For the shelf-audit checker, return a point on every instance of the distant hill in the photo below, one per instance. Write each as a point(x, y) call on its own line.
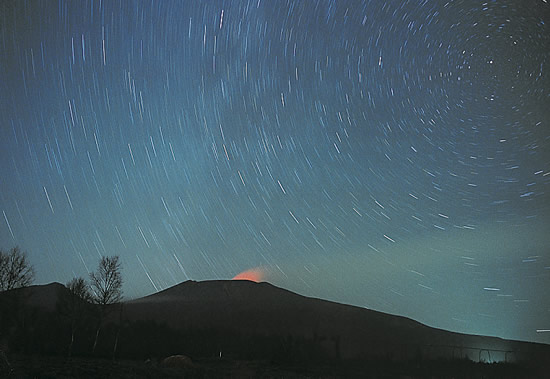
point(40, 296)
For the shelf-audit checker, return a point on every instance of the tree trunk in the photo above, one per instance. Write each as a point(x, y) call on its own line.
point(4, 361)
point(116, 343)
point(96, 338)
point(71, 344)
point(121, 307)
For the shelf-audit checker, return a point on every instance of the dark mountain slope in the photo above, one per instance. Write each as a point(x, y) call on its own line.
point(341, 330)
point(247, 319)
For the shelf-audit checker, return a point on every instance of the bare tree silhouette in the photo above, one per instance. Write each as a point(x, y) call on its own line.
point(106, 285)
point(15, 270)
point(74, 306)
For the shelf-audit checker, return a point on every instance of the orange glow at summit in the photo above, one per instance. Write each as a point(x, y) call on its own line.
point(254, 275)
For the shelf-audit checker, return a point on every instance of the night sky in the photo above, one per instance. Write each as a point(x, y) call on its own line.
point(393, 155)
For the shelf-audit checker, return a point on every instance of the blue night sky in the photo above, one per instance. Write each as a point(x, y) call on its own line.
point(393, 155)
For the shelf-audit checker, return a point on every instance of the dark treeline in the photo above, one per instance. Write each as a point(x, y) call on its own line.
point(49, 334)
point(53, 332)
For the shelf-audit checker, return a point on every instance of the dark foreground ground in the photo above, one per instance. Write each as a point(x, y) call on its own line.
point(56, 367)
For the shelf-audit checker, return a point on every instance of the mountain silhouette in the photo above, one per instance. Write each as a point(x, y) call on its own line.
point(248, 320)
point(340, 331)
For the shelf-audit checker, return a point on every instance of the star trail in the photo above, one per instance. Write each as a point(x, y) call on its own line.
point(393, 155)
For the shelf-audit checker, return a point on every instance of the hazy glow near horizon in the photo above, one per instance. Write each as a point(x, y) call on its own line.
point(393, 155)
